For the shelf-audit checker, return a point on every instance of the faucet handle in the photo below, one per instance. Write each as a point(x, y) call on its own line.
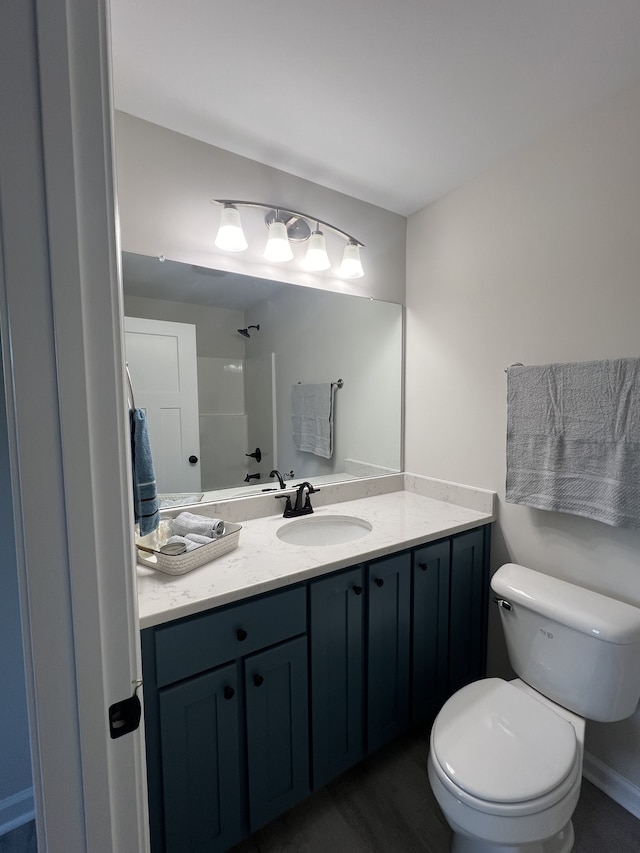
point(311, 489)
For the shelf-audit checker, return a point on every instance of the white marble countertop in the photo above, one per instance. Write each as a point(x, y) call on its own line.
point(262, 562)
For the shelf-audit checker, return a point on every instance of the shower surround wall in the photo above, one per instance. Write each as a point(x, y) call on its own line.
point(223, 421)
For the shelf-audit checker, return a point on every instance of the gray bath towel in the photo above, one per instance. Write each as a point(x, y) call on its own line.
point(573, 439)
point(312, 418)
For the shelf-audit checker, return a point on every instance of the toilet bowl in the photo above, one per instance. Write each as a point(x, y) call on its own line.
point(505, 766)
point(505, 758)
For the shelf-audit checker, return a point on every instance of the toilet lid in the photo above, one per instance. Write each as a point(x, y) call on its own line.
point(500, 744)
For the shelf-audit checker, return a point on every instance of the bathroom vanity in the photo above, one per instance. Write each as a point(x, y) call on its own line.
point(265, 682)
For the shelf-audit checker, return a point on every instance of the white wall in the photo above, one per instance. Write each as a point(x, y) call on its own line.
point(536, 261)
point(165, 185)
point(216, 328)
point(320, 337)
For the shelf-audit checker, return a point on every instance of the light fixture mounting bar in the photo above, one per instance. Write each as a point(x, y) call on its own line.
point(286, 211)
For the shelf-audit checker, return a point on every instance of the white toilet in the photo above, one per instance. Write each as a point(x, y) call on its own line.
point(505, 762)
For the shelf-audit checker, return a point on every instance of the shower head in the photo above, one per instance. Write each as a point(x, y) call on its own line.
point(245, 332)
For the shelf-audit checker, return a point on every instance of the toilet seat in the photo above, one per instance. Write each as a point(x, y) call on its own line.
point(511, 732)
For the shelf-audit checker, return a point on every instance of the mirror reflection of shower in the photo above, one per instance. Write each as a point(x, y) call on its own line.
point(245, 332)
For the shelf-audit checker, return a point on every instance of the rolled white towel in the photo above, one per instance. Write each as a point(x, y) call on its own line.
point(187, 522)
point(182, 540)
point(196, 537)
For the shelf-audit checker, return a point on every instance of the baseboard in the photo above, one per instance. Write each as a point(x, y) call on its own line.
point(623, 792)
point(15, 810)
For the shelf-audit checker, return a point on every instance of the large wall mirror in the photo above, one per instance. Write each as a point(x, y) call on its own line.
point(213, 357)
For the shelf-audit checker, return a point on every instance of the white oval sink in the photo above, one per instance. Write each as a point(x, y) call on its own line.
point(323, 530)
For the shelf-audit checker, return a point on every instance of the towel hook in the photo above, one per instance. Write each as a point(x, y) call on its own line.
point(130, 384)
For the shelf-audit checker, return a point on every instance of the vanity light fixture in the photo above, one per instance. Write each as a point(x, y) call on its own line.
point(351, 266)
point(284, 228)
point(317, 257)
point(278, 247)
point(230, 236)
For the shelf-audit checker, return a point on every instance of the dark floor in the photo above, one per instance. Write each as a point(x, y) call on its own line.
point(385, 805)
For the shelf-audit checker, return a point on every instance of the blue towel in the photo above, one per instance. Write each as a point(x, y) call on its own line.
point(145, 495)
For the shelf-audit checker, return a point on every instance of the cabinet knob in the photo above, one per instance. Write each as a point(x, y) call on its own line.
point(378, 581)
point(258, 680)
point(423, 566)
point(241, 634)
point(228, 692)
point(357, 589)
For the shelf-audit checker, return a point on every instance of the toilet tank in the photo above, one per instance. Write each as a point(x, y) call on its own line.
point(579, 648)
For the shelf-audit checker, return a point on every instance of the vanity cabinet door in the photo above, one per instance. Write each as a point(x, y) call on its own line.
point(277, 718)
point(337, 673)
point(468, 607)
point(388, 648)
point(430, 616)
point(201, 782)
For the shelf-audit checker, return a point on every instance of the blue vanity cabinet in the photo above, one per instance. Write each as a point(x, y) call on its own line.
point(388, 633)
point(430, 636)
point(277, 719)
point(250, 705)
point(360, 651)
point(468, 607)
point(226, 718)
point(336, 624)
point(200, 771)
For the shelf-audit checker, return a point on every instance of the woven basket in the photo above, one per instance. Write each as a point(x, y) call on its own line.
point(182, 563)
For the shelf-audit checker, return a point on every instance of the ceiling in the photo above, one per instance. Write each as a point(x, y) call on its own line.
point(394, 102)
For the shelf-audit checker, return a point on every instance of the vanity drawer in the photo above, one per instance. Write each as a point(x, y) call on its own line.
point(201, 642)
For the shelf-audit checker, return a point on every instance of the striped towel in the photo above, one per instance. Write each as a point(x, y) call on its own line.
point(573, 439)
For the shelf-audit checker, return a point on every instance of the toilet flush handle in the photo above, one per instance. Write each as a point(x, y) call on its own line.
point(501, 602)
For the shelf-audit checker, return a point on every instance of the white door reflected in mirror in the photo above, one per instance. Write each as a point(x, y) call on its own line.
point(161, 357)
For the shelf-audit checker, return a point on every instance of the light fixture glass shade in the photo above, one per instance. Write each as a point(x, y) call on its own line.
point(278, 247)
point(316, 257)
point(351, 266)
point(230, 236)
